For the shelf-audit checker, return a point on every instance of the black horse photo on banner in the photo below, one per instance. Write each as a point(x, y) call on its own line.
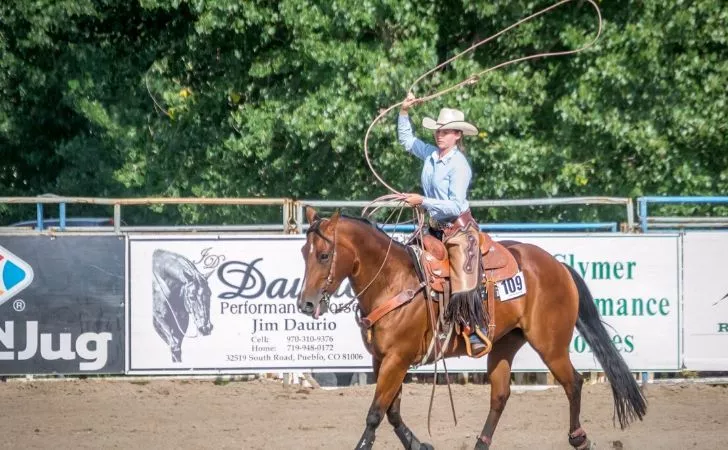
point(179, 290)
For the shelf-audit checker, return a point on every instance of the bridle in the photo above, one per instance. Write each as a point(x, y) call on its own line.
point(325, 293)
point(165, 294)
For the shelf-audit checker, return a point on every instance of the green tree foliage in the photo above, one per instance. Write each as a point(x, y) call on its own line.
point(272, 99)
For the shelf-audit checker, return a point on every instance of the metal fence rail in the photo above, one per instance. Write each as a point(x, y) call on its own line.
point(292, 219)
point(117, 204)
point(673, 223)
point(611, 227)
point(575, 226)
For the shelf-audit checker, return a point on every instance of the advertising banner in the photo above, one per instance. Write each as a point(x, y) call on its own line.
point(635, 282)
point(227, 304)
point(706, 300)
point(61, 304)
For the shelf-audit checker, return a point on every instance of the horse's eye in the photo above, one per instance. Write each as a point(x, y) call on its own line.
point(323, 257)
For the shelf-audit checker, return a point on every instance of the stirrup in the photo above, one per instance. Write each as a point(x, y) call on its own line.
point(488, 344)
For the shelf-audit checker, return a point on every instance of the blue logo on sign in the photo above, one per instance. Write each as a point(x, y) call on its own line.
point(15, 275)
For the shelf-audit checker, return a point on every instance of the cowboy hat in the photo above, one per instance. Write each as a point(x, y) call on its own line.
point(450, 119)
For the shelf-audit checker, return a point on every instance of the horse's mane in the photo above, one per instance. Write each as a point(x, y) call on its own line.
point(374, 226)
point(369, 222)
point(316, 227)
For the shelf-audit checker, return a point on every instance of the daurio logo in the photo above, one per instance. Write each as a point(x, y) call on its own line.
point(15, 275)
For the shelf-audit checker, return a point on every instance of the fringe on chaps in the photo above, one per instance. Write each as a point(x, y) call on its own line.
point(466, 308)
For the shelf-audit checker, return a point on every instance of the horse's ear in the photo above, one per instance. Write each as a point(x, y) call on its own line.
point(335, 218)
point(311, 215)
point(207, 275)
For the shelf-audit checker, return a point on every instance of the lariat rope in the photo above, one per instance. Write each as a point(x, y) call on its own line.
point(396, 195)
point(473, 79)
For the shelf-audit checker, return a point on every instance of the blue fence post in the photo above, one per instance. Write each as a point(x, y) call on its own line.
point(62, 215)
point(643, 213)
point(39, 216)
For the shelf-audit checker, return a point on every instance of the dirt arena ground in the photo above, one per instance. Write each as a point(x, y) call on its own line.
point(265, 414)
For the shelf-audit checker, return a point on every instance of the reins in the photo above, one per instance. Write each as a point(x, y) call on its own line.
point(384, 261)
point(432, 321)
point(166, 293)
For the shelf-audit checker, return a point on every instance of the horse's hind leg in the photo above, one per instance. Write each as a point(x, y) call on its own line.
point(405, 435)
point(556, 358)
point(390, 373)
point(572, 382)
point(499, 375)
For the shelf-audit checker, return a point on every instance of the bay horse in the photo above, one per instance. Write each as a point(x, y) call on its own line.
point(557, 300)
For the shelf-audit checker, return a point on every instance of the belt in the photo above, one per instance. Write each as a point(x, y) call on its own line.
point(462, 221)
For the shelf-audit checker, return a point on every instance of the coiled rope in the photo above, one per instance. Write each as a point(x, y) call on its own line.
point(475, 78)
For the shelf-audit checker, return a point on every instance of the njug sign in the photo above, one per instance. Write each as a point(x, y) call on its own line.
point(15, 275)
point(62, 305)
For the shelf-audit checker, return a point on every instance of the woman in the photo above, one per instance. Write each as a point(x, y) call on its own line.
point(445, 179)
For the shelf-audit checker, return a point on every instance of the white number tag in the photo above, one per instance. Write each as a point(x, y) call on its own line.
point(512, 287)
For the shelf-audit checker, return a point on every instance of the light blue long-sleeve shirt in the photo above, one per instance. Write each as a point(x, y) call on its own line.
point(445, 180)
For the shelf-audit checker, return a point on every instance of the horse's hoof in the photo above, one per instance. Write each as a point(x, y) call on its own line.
point(587, 445)
point(480, 445)
point(426, 446)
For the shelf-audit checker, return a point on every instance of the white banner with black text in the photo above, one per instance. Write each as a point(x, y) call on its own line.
point(221, 304)
point(706, 300)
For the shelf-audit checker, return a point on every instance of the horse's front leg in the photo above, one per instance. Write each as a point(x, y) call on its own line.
point(172, 337)
point(390, 372)
point(405, 435)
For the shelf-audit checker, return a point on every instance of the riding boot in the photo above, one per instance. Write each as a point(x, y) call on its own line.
point(479, 342)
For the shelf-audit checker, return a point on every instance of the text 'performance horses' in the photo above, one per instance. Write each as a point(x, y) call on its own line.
point(557, 301)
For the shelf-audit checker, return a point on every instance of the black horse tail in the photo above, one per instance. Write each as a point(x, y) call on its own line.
point(629, 403)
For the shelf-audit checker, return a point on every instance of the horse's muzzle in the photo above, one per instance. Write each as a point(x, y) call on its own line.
point(308, 307)
point(206, 329)
point(314, 308)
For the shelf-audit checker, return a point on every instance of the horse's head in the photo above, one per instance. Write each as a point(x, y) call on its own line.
point(196, 295)
point(328, 262)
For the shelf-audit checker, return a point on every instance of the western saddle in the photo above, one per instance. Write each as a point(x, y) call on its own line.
point(497, 263)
